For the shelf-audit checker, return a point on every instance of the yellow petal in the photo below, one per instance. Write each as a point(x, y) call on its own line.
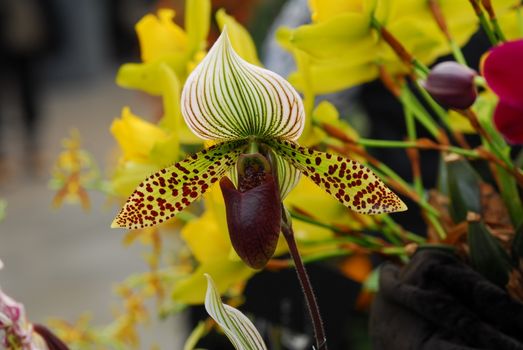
point(330, 38)
point(129, 175)
point(197, 22)
point(225, 273)
point(511, 25)
point(172, 116)
point(329, 78)
point(313, 200)
point(159, 35)
point(422, 39)
point(207, 236)
point(148, 77)
point(323, 10)
point(240, 38)
point(144, 77)
point(135, 136)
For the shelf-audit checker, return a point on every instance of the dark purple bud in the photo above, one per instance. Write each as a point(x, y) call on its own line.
point(51, 340)
point(452, 85)
point(253, 210)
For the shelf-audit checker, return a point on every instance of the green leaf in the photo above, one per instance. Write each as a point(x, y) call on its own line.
point(170, 190)
point(238, 328)
point(353, 184)
point(486, 254)
point(463, 187)
point(227, 98)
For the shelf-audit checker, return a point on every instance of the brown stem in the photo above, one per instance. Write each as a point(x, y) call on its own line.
point(398, 47)
point(435, 9)
point(389, 82)
point(476, 7)
point(487, 5)
point(489, 156)
point(414, 158)
point(303, 277)
point(473, 120)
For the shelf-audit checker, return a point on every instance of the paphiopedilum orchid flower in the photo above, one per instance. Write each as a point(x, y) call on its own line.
point(255, 117)
point(503, 72)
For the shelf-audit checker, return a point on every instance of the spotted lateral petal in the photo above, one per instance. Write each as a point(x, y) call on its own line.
point(168, 191)
point(227, 98)
point(353, 184)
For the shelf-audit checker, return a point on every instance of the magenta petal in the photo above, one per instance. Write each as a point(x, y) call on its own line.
point(253, 219)
point(503, 70)
point(509, 122)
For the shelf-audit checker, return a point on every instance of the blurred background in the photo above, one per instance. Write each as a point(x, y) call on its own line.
point(58, 60)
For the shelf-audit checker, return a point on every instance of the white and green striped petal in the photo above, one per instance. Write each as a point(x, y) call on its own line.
point(168, 191)
point(351, 183)
point(238, 328)
point(227, 98)
point(288, 175)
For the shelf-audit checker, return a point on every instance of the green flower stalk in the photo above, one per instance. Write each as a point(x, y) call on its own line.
point(248, 111)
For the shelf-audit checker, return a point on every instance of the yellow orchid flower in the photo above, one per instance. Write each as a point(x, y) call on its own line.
point(511, 23)
point(345, 48)
point(145, 146)
point(159, 36)
point(136, 137)
point(322, 10)
point(162, 41)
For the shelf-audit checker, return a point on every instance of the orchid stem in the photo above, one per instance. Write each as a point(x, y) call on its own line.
point(457, 53)
point(483, 21)
point(303, 277)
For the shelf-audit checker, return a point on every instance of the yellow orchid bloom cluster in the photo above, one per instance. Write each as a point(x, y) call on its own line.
point(343, 46)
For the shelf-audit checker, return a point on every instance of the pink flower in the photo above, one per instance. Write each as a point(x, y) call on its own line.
point(14, 324)
point(19, 334)
point(503, 71)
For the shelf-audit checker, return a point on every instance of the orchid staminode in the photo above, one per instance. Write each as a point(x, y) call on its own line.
point(255, 117)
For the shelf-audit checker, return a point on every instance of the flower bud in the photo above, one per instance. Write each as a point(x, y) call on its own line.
point(452, 85)
point(253, 210)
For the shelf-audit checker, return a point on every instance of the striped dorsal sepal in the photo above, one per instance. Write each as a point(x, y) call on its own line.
point(226, 98)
